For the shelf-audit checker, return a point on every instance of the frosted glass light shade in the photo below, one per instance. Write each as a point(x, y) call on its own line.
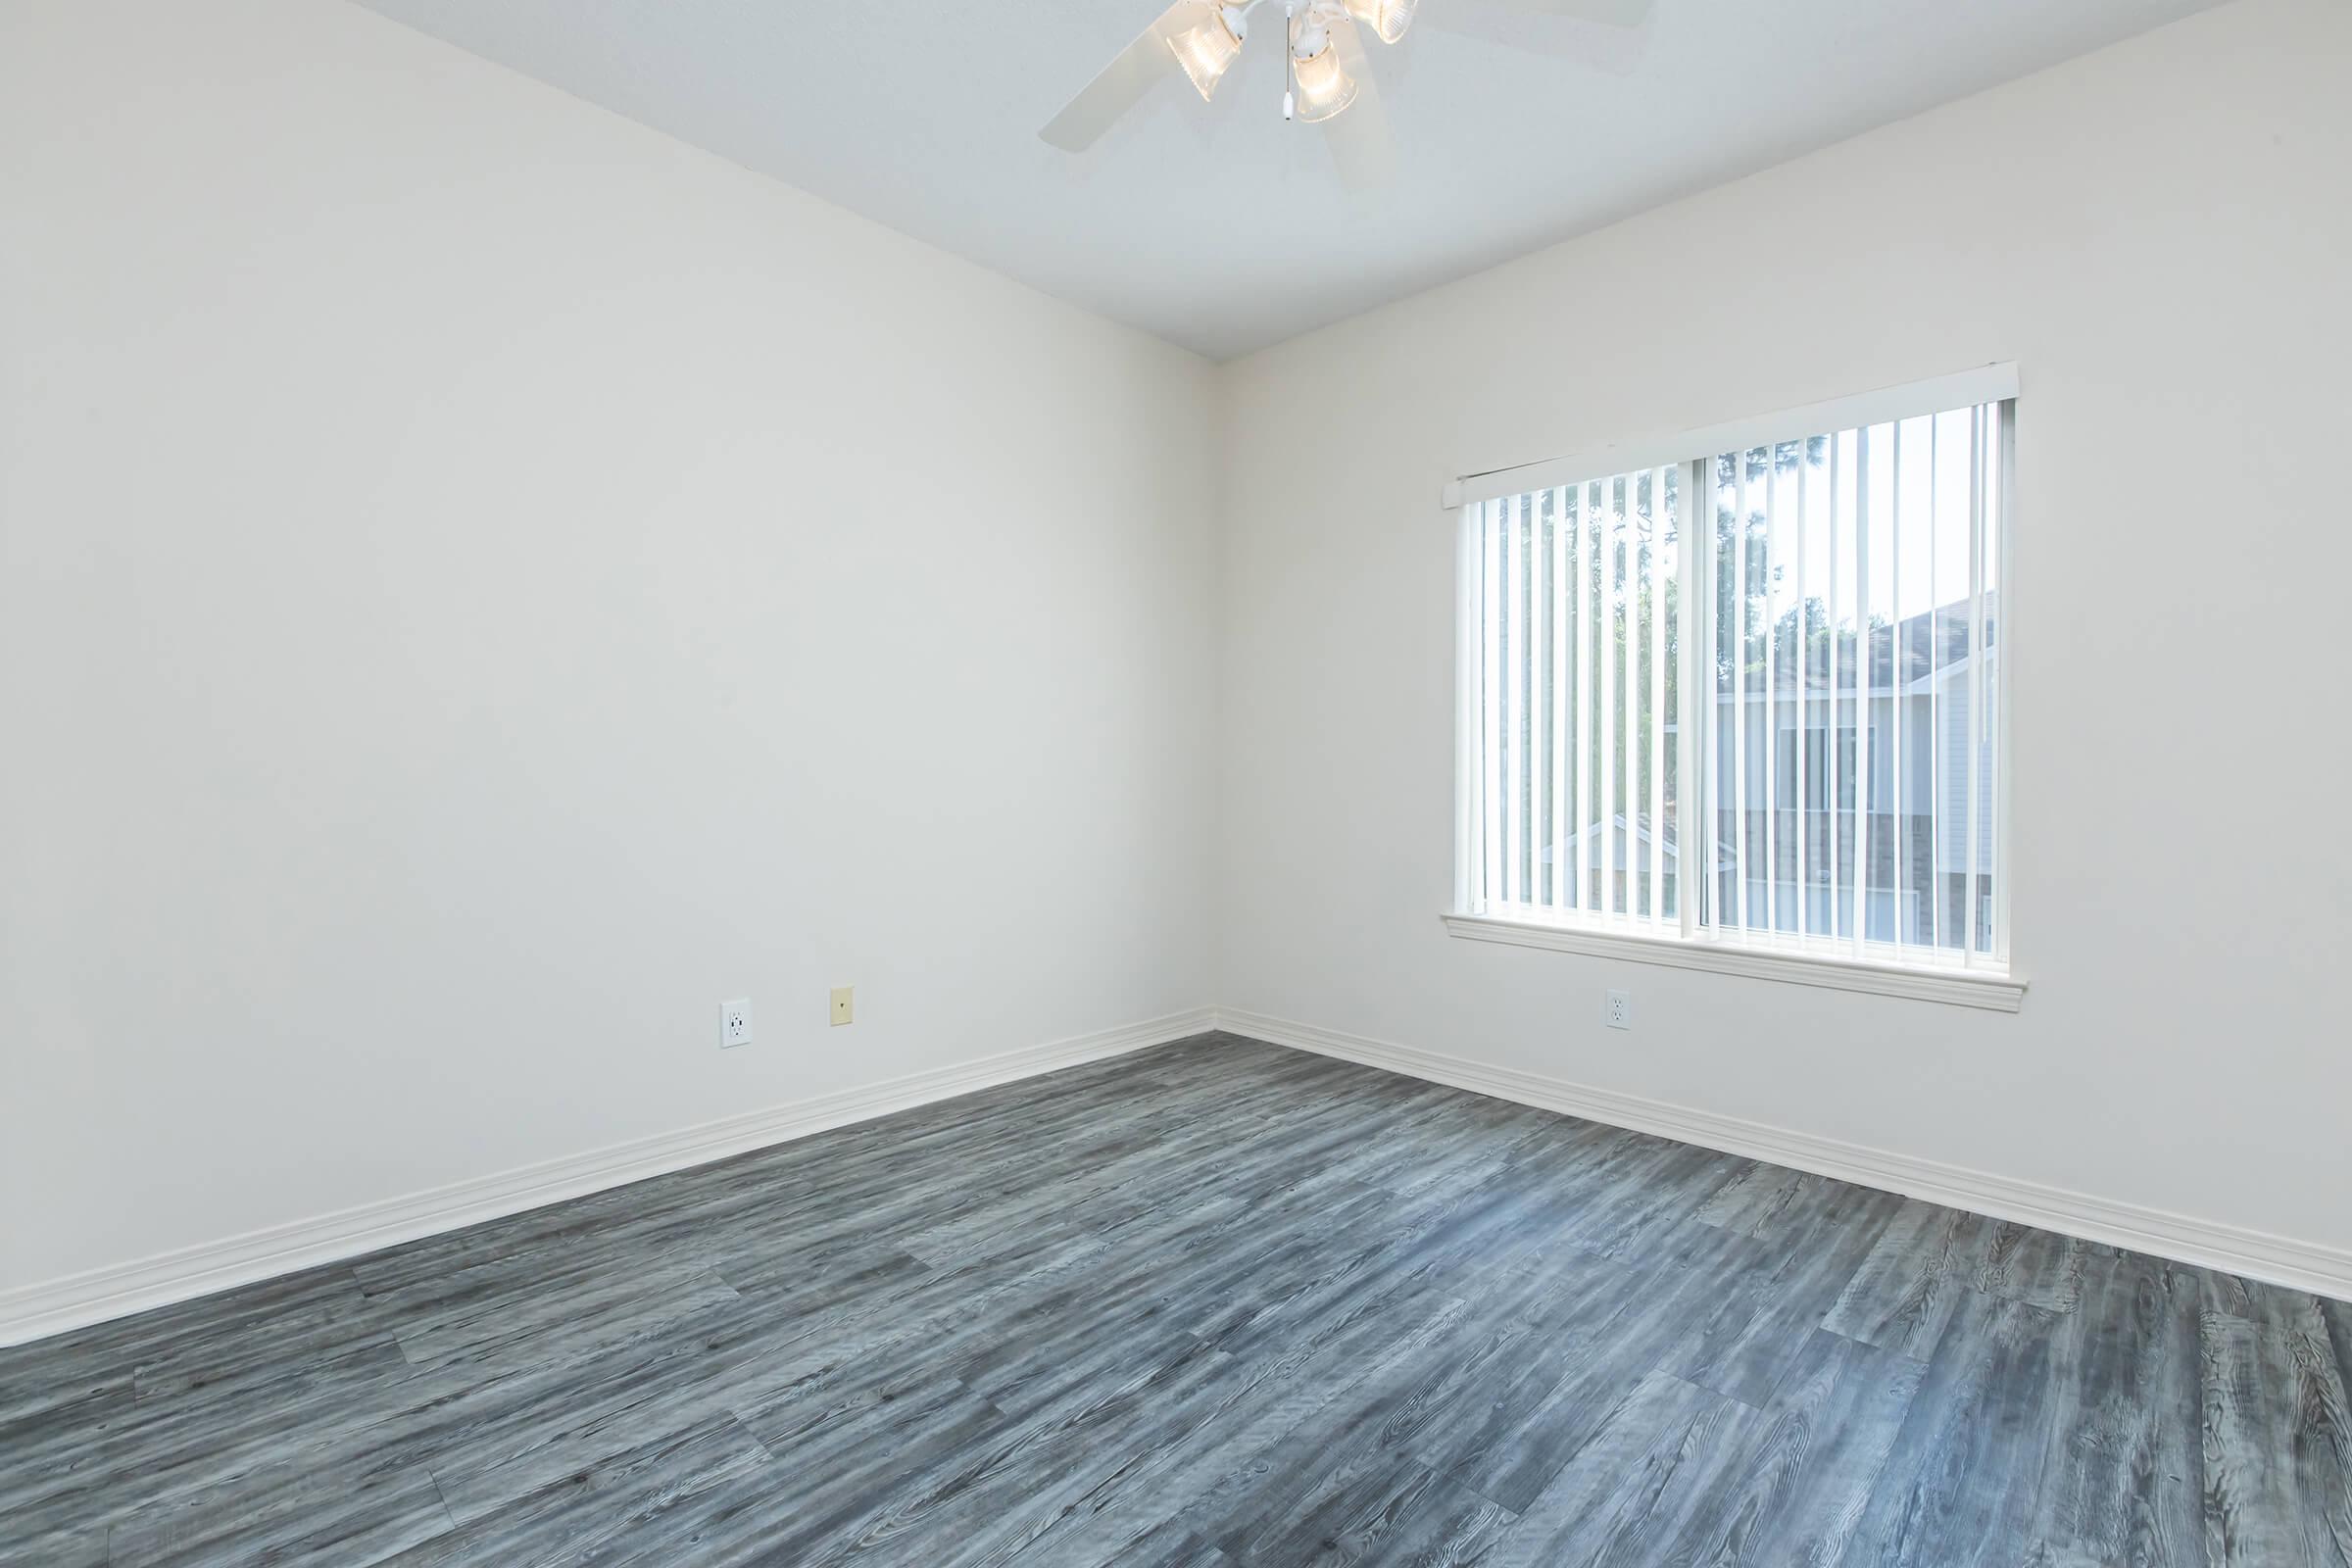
point(1206, 50)
point(1324, 87)
point(1386, 17)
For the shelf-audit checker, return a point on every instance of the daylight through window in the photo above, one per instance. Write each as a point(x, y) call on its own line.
point(1749, 697)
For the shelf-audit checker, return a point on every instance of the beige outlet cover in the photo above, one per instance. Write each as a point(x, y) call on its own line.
point(844, 1005)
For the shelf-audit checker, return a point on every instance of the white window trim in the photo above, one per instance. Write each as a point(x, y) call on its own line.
point(1999, 990)
point(1965, 988)
point(1991, 383)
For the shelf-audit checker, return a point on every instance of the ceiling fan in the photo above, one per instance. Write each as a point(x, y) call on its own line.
point(1326, 75)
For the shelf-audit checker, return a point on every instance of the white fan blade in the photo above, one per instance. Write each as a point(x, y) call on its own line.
point(1616, 13)
point(1359, 140)
point(1139, 68)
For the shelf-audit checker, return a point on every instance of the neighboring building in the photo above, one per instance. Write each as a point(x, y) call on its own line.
point(1927, 703)
point(1918, 873)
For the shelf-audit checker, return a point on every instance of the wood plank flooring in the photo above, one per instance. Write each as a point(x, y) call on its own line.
point(1216, 1306)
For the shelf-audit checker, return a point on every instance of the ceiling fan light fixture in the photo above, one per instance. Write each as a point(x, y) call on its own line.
point(1388, 19)
point(1207, 49)
point(1325, 89)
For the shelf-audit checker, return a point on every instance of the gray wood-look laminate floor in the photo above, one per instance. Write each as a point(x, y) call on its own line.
point(1216, 1306)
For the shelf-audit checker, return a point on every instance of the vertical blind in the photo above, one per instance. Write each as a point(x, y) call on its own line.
point(1821, 617)
point(1581, 752)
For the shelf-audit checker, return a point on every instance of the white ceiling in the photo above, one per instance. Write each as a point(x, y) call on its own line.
point(1216, 226)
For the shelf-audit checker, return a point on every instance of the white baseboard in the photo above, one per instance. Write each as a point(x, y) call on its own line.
point(2255, 1255)
point(36, 1311)
point(57, 1306)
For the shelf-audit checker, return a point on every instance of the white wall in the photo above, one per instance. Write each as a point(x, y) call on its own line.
point(480, 583)
point(2158, 235)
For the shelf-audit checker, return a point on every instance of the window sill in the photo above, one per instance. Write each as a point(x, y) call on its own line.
point(1961, 988)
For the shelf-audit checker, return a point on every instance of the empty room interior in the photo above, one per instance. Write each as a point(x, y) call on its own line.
point(1526, 783)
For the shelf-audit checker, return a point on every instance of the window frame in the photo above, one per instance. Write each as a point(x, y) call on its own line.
point(1987, 981)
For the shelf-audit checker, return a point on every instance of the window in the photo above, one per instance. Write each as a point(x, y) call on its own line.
point(1748, 700)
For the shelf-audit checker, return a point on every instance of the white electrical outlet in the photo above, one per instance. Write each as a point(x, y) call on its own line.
point(734, 1024)
point(1620, 1012)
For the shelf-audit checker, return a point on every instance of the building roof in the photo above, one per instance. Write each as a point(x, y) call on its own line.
point(1932, 643)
